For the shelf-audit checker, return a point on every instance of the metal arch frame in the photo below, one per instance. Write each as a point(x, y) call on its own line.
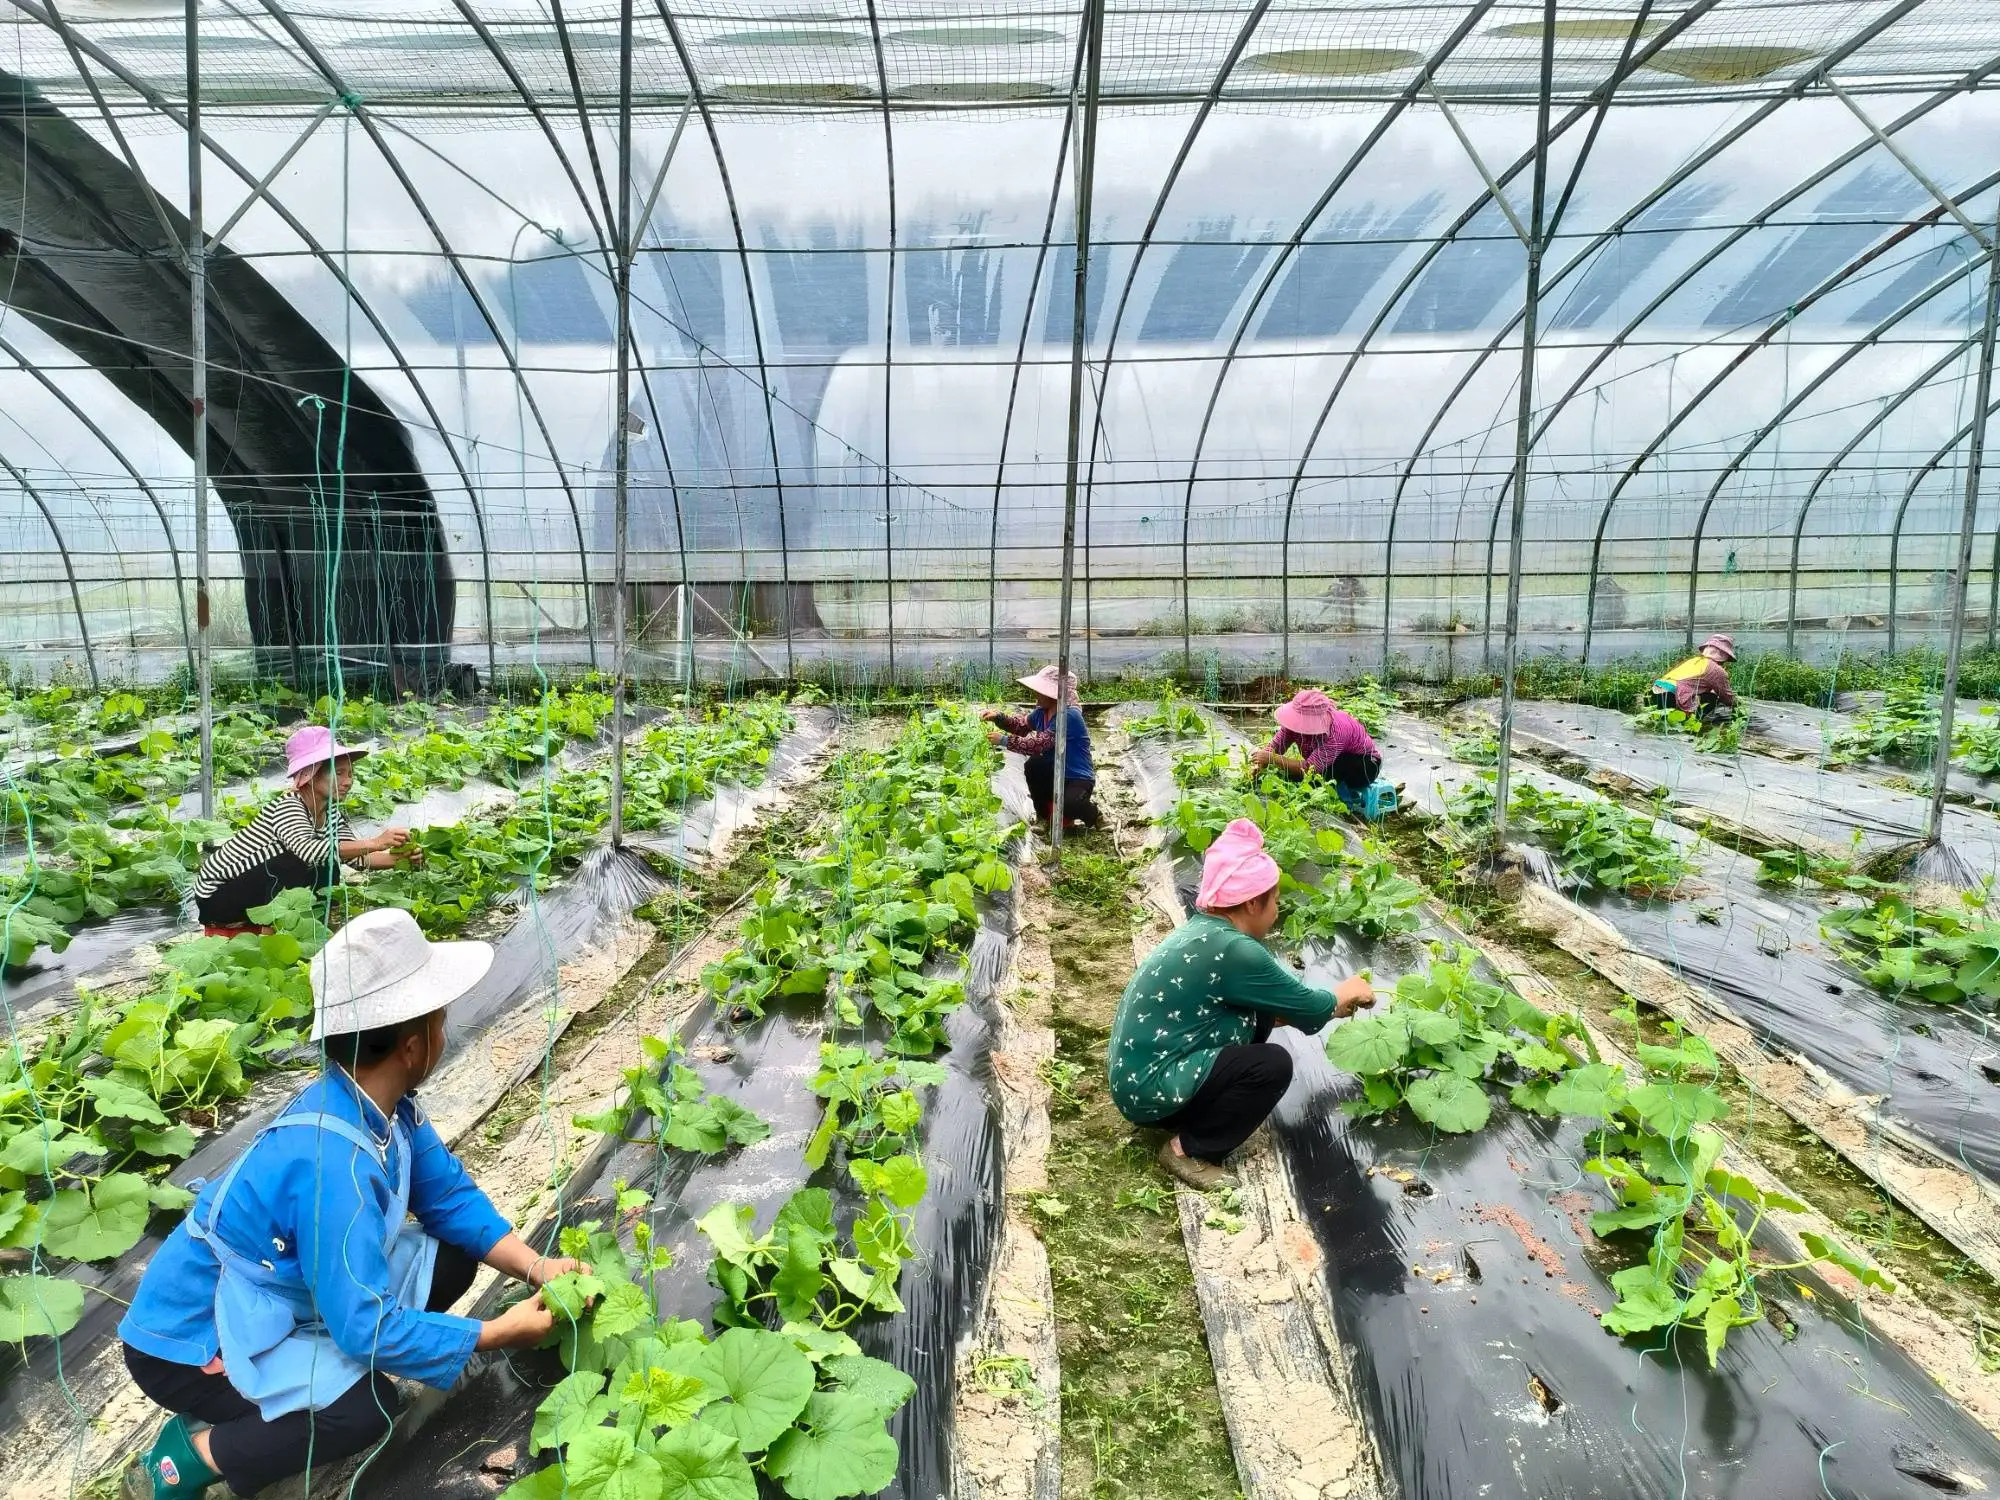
point(1279, 263)
point(888, 346)
point(69, 565)
point(1735, 237)
point(1020, 359)
point(451, 256)
point(700, 98)
point(1680, 175)
point(118, 454)
point(1889, 407)
point(1700, 263)
point(1145, 243)
point(260, 191)
point(1663, 38)
point(1916, 478)
point(1852, 352)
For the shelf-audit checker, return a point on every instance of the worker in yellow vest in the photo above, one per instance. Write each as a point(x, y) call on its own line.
point(1700, 685)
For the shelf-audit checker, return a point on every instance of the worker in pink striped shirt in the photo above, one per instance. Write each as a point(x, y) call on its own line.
point(1315, 738)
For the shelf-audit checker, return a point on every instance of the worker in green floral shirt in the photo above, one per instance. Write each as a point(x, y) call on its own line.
point(1190, 1049)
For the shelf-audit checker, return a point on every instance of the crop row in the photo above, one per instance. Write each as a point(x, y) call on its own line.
point(663, 1407)
point(101, 1103)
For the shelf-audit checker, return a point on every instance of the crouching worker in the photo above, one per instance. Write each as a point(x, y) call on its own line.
point(270, 1321)
point(1033, 735)
point(1190, 1049)
point(1316, 739)
point(1700, 685)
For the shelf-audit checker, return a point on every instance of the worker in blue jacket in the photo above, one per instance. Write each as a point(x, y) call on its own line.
point(1032, 735)
point(270, 1321)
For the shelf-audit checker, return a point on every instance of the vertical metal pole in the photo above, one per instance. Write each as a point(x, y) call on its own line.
point(197, 259)
point(1524, 416)
point(1974, 456)
point(622, 478)
point(1086, 172)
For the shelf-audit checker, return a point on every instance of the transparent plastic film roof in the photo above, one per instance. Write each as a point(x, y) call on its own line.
point(853, 248)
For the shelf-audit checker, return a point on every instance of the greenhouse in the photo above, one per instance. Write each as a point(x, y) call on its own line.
point(647, 650)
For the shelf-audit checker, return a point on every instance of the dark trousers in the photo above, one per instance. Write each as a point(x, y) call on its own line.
point(1242, 1088)
point(250, 1452)
point(1355, 770)
point(1077, 804)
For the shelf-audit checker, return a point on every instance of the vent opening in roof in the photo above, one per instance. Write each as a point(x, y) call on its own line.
point(972, 93)
point(796, 93)
point(1582, 29)
point(1336, 62)
point(789, 37)
point(1726, 64)
point(974, 36)
point(509, 41)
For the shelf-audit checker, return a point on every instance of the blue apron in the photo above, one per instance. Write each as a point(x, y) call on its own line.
point(275, 1349)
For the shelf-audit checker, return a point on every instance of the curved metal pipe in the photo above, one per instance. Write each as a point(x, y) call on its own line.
point(69, 565)
point(1909, 492)
point(1852, 352)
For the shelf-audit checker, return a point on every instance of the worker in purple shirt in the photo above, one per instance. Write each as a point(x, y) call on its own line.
point(1316, 739)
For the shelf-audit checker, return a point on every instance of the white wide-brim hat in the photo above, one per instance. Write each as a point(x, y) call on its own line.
point(380, 969)
point(1044, 683)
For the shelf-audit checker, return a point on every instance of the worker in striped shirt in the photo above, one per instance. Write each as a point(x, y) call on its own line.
point(297, 840)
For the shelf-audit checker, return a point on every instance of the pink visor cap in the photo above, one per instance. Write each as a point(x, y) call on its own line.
point(1236, 868)
point(1309, 712)
point(312, 747)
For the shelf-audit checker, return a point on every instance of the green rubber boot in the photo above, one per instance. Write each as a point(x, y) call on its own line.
point(174, 1469)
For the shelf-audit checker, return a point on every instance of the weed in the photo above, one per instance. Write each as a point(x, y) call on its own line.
point(1151, 1197)
point(1008, 1375)
point(1092, 879)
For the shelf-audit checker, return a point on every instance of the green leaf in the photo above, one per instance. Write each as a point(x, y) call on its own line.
point(167, 1198)
point(1448, 1102)
point(171, 1144)
point(800, 1277)
point(100, 1223)
point(544, 1484)
point(818, 1344)
point(727, 1226)
point(741, 1126)
point(1720, 1316)
point(695, 1127)
point(44, 1148)
point(1368, 1044)
point(900, 1179)
point(1819, 1247)
point(113, 1096)
point(1675, 1109)
point(574, 1403)
point(604, 1463)
point(1595, 1090)
point(623, 1308)
point(1430, 1026)
point(901, 1111)
point(1646, 1302)
point(568, 1296)
point(1634, 1216)
point(871, 1288)
point(840, 1449)
point(667, 1398)
point(810, 1210)
point(875, 1381)
point(765, 1380)
point(37, 1306)
point(697, 1462)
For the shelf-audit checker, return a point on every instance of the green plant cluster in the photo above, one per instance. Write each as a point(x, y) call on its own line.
point(1369, 701)
point(469, 866)
point(93, 1112)
point(919, 841)
point(1916, 953)
point(508, 746)
point(1595, 843)
point(1448, 1035)
point(1903, 728)
point(1175, 717)
point(1725, 738)
point(1335, 880)
point(672, 1096)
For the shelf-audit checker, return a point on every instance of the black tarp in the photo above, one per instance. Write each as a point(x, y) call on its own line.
point(1466, 1299)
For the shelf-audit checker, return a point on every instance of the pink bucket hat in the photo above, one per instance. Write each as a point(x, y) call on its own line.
point(1236, 868)
point(312, 747)
point(1723, 644)
point(1043, 683)
point(1309, 712)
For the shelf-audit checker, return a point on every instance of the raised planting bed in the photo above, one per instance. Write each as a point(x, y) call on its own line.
point(558, 957)
point(1623, 1311)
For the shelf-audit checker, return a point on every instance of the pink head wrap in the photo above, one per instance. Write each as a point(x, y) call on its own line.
point(312, 747)
point(1309, 712)
point(1236, 868)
